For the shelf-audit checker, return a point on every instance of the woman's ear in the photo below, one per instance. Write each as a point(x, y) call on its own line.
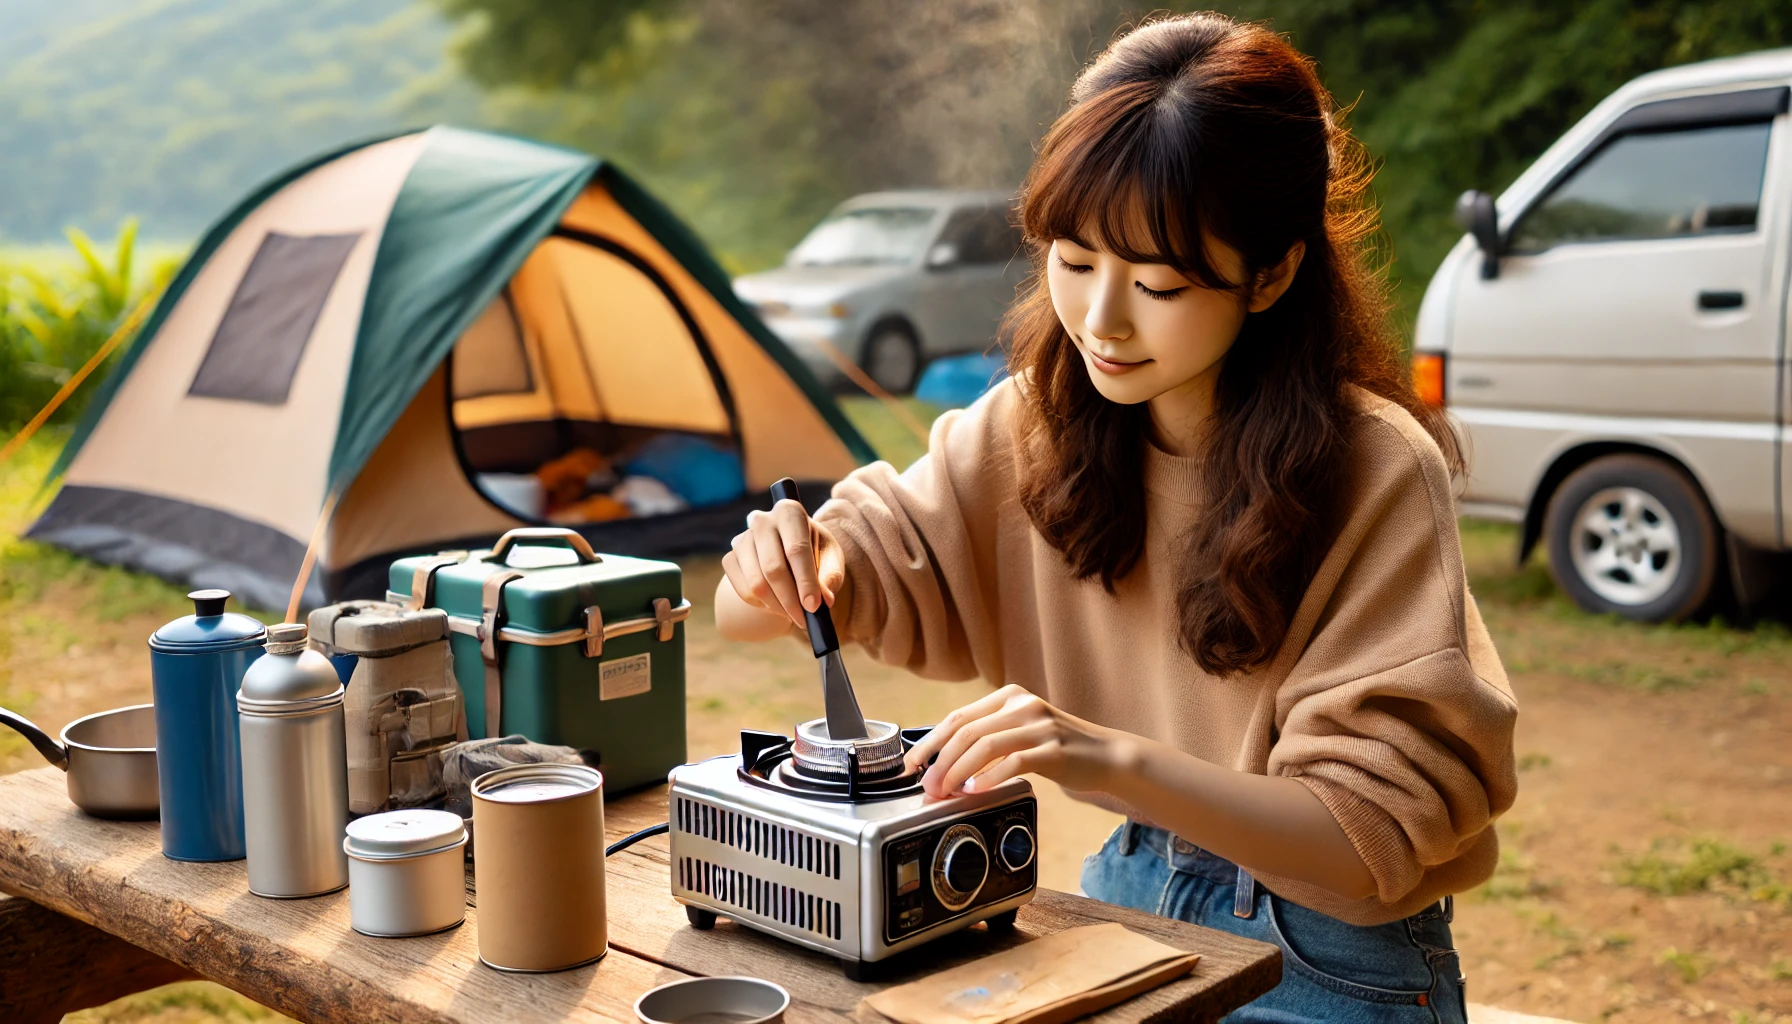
point(1273, 282)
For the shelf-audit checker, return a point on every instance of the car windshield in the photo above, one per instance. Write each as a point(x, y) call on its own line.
point(865, 237)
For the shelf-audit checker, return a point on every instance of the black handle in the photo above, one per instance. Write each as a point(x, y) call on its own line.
point(820, 622)
point(1720, 300)
point(53, 751)
point(207, 603)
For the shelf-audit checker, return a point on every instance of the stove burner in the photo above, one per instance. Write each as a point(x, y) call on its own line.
point(816, 751)
point(815, 767)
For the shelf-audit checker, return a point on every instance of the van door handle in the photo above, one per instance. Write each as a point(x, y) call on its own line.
point(1720, 300)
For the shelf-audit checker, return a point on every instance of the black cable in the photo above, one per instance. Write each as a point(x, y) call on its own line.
point(647, 833)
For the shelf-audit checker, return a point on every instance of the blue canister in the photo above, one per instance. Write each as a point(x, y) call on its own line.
point(197, 664)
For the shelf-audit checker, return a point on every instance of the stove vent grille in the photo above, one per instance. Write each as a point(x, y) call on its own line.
point(762, 838)
point(782, 903)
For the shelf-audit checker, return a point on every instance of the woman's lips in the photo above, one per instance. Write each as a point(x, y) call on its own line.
point(1114, 367)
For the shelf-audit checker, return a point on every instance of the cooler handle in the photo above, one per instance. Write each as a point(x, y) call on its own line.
point(553, 535)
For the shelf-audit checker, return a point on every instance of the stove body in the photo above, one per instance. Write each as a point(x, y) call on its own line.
point(862, 872)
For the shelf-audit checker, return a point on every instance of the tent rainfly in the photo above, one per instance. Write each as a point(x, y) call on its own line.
point(387, 322)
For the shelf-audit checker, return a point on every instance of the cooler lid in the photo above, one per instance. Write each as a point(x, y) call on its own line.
point(403, 833)
point(210, 626)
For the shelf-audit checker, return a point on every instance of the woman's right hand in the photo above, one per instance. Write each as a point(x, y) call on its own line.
point(783, 564)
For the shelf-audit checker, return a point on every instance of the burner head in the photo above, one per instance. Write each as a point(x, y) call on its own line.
point(879, 753)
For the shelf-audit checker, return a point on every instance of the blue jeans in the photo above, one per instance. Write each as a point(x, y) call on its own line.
point(1404, 971)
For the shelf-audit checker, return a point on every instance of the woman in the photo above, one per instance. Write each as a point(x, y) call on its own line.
point(1204, 535)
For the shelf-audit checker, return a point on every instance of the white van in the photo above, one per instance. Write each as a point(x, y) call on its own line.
point(1610, 335)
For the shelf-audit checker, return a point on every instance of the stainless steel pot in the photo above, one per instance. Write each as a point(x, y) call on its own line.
point(110, 759)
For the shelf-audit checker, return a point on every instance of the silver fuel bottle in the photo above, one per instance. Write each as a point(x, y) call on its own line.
point(295, 769)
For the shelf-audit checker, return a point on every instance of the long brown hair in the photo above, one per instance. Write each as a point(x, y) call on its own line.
point(1188, 128)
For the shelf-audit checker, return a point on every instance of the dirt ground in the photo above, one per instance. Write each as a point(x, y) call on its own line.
point(1645, 876)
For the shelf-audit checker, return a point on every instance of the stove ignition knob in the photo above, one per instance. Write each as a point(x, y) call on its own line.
point(1017, 847)
point(960, 866)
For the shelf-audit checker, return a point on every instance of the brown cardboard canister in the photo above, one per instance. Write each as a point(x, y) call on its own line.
point(539, 867)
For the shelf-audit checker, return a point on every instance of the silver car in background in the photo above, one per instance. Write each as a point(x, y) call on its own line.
point(894, 279)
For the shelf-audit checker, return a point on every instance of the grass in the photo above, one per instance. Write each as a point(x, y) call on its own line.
point(1669, 868)
point(890, 436)
point(186, 1002)
point(1691, 966)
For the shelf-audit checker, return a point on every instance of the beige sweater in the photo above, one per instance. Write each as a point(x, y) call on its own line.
point(1386, 699)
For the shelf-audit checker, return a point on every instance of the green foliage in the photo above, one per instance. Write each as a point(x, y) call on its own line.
point(1462, 94)
point(170, 109)
point(754, 117)
point(55, 315)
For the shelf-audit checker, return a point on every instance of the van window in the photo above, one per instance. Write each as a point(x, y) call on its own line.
point(982, 235)
point(1670, 184)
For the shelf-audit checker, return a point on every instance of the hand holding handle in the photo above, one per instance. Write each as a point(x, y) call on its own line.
point(820, 622)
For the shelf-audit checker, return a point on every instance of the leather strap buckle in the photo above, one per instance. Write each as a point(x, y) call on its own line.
point(423, 578)
point(491, 603)
point(594, 632)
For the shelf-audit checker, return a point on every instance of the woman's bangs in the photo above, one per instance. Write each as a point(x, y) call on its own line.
point(1117, 183)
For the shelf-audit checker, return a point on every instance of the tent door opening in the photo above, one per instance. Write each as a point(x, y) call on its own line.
point(586, 393)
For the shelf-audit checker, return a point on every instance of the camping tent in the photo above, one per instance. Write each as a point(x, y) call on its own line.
point(385, 322)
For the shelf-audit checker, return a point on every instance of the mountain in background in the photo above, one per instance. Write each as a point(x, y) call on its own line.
point(169, 110)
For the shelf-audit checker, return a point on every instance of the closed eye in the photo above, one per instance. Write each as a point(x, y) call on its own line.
point(1074, 268)
point(1163, 296)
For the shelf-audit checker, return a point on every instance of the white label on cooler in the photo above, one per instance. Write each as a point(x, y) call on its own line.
point(625, 677)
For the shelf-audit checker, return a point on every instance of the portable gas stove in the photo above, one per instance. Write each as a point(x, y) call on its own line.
point(830, 844)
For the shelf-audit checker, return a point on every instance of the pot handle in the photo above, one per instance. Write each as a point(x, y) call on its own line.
point(53, 751)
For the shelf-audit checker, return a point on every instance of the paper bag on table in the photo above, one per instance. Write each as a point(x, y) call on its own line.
point(1050, 980)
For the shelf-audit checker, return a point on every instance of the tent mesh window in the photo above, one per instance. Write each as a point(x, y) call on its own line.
point(257, 347)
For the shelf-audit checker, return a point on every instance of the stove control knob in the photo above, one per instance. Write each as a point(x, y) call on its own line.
point(960, 866)
point(1017, 847)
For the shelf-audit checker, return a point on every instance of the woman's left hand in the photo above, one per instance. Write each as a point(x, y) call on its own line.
point(1011, 732)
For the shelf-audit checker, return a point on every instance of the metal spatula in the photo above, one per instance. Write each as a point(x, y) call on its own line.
point(845, 721)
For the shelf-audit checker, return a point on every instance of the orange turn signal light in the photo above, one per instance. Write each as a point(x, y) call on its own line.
point(1428, 377)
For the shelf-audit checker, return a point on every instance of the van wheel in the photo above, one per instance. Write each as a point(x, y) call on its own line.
point(893, 358)
point(1632, 535)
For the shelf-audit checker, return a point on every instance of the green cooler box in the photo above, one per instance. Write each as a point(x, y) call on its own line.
point(564, 646)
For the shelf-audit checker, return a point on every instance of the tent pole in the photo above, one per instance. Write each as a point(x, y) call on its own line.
point(317, 536)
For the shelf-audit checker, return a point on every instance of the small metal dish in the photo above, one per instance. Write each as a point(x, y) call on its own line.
point(732, 1000)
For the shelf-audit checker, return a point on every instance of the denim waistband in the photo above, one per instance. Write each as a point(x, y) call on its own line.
point(1178, 852)
point(1186, 857)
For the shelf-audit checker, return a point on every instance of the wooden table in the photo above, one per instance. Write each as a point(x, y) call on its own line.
point(301, 958)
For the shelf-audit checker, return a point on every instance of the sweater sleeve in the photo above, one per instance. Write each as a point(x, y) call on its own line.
point(921, 546)
point(1397, 713)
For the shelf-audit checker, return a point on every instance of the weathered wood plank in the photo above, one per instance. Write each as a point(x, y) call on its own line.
point(51, 965)
point(297, 956)
point(301, 957)
point(646, 921)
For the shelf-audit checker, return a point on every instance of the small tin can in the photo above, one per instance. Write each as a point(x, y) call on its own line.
point(407, 873)
point(539, 871)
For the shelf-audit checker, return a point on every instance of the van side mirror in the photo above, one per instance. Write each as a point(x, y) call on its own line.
point(941, 256)
point(1476, 213)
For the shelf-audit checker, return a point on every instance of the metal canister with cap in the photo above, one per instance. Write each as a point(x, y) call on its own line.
point(407, 874)
point(539, 867)
point(196, 664)
point(295, 769)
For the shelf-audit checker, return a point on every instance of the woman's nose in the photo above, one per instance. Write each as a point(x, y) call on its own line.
point(1107, 319)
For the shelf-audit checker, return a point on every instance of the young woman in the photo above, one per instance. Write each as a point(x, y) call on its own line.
point(1204, 535)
